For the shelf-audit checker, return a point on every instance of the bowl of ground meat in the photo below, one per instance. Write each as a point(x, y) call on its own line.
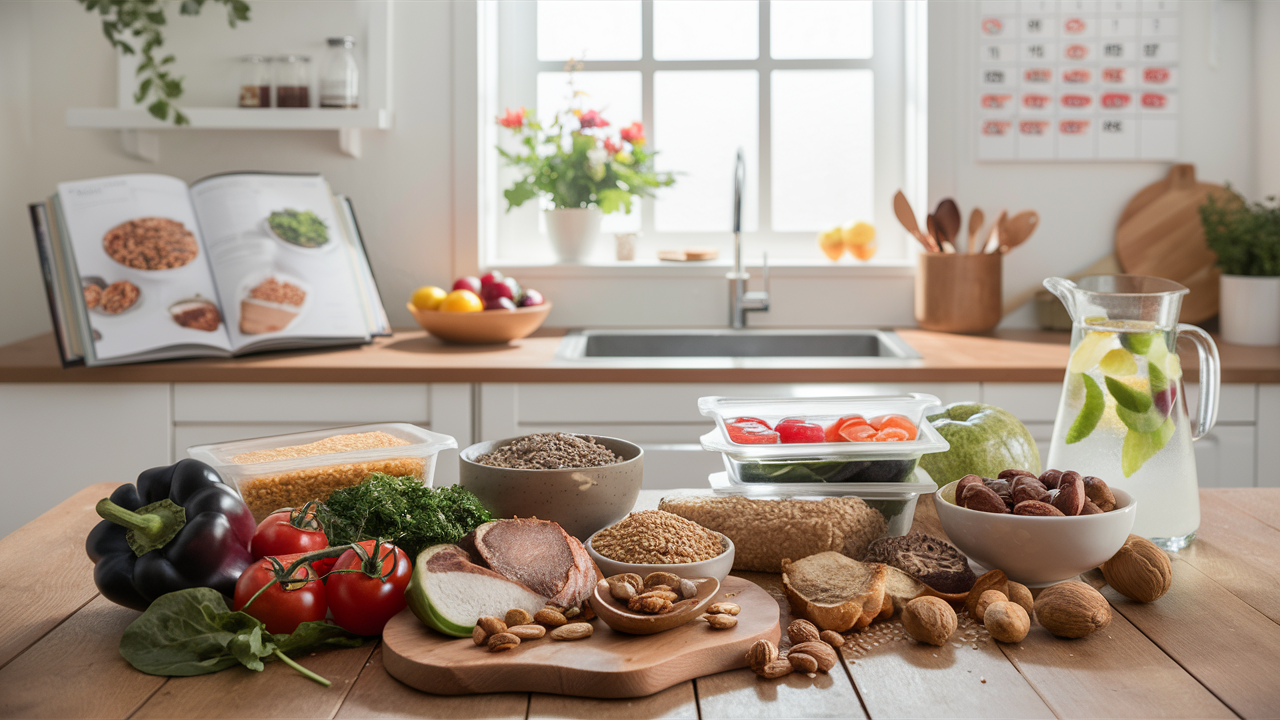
point(582, 482)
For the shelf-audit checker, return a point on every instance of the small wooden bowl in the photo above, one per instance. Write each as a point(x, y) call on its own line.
point(616, 615)
point(484, 327)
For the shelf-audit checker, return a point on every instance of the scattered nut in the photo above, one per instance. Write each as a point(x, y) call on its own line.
point(994, 580)
point(832, 638)
point(527, 632)
point(550, 618)
point(1012, 474)
point(633, 579)
point(620, 590)
point(1099, 493)
point(661, 578)
point(761, 653)
point(650, 604)
point(1036, 508)
point(1139, 571)
point(517, 616)
point(1007, 621)
point(1072, 609)
point(983, 499)
point(572, 631)
point(722, 622)
point(802, 631)
point(820, 651)
point(929, 620)
point(572, 613)
point(1050, 479)
point(776, 669)
point(503, 641)
point(1019, 593)
point(688, 589)
point(479, 636)
point(802, 663)
point(492, 625)
point(725, 607)
point(1070, 498)
point(986, 600)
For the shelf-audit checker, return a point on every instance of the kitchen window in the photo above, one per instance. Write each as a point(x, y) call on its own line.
point(826, 98)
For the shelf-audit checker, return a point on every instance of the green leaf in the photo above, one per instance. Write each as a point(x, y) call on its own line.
point(1090, 412)
point(1144, 422)
point(139, 96)
point(167, 60)
point(315, 635)
point(179, 118)
point(249, 648)
point(156, 18)
point(1159, 381)
point(159, 109)
point(185, 633)
point(1139, 447)
point(613, 199)
point(1127, 397)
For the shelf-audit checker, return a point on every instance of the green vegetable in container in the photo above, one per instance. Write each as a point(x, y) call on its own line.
point(401, 510)
point(300, 227)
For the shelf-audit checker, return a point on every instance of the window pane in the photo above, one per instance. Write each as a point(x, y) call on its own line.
point(615, 95)
point(805, 29)
point(589, 29)
point(700, 119)
point(822, 148)
point(706, 29)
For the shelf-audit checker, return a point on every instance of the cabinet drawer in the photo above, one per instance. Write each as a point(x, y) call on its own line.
point(1029, 402)
point(301, 403)
point(1225, 457)
point(1236, 403)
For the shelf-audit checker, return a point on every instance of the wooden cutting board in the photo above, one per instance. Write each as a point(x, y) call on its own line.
point(1159, 234)
point(606, 665)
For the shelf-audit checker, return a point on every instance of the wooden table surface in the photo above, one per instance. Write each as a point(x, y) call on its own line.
point(1209, 649)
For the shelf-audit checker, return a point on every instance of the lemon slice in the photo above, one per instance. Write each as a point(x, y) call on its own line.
point(1118, 363)
point(1090, 351)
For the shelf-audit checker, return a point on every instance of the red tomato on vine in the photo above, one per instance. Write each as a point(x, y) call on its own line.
point(366, 586)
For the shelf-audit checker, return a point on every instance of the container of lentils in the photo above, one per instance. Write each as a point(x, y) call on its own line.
point(582, 482)
point(650, 541)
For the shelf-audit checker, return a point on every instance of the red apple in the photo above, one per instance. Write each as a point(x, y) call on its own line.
point(493, 277)
point(493, 291)
point(500, 303)
point(467, 282)
point(531, 297)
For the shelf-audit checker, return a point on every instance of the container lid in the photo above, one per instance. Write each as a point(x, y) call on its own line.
point(422, 443)
point(921, 485)
point(823, 410)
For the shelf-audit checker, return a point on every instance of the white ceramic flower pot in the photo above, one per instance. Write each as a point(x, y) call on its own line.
point(1250, 310)
point(573, 232)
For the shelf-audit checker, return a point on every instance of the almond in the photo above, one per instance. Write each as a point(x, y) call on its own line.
point(727, 608)
point(503, 641)
point(983, 499)
point(832, 638)
point(761, 653)
point(775, 669)
point(965, 482)
point(1049, 479)
point(492, 625)
point(1099, 493)
point(994, 580)
point(527, 632)
point(517, 616)
point(1037, 508)
point(550, 618)
point(820, 651)
point(1070, 498)
point(1090, 508)
point(572, 631)
point(802, 663)
point(1013, 474)
point(1026, 492)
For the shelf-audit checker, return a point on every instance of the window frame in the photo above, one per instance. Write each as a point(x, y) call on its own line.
point(900, 122)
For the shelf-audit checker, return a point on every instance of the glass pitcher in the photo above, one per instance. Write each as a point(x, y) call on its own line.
point(1123, 413)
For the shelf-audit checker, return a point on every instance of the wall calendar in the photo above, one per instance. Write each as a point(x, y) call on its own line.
point(1077, 80)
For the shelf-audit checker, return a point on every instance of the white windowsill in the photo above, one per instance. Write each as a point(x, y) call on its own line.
point(702, 269)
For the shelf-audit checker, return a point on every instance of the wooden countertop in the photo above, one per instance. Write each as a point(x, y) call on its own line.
point(1206, 649)
point(411, 356)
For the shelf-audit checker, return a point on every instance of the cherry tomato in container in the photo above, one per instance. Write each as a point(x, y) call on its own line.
point(751, 434)
point(799, 431)
point(854, 432)
point(891, 434)
point(289, 531)
point(366, 586)
point(748, 421)
point(832, 432)
point(895, 421)
point(286, 603)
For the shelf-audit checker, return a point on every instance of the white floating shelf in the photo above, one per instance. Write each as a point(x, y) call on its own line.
point(217, 118)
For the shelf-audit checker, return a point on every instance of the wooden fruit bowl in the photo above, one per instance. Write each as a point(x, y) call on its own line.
point(481, 328)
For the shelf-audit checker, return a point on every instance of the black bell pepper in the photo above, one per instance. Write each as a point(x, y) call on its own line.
point(180, 527)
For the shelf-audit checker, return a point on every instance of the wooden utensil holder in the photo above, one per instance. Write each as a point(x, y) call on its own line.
point(959, 293)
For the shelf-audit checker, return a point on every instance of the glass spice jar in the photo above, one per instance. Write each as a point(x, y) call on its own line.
point(339, 75)
point(255, 81)
point(293, 81)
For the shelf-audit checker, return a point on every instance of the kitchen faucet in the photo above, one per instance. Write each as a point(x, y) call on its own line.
point(741, 300)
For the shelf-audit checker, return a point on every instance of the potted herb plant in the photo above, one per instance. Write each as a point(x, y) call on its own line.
point(1246, 239)
point(576, 165)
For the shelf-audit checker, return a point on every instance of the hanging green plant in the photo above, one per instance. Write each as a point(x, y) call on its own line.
point(128, 22)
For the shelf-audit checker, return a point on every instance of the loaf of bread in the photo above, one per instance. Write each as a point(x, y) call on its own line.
point(766, 531)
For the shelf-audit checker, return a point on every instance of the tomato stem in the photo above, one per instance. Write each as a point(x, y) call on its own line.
point(287, 574)
point(305, 672)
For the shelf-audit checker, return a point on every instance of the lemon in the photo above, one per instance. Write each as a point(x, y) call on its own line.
point(1089, 352)
point(428, 297)
point(461, 301)
point(864, 252)
point(832, 243)
point(1118, 363)
point(859, 233)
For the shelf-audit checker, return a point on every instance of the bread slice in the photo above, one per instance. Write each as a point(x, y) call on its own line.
point(833, 591)
point(766, 531)
point(902, 588)
point(933, 561)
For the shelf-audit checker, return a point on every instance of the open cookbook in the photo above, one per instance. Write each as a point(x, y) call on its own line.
point(142, 267)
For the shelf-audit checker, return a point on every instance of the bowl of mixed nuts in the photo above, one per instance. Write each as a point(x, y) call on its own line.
point(1038, 529)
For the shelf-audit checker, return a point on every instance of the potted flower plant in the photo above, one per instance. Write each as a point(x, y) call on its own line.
point(1246, 239)
point(583, 171)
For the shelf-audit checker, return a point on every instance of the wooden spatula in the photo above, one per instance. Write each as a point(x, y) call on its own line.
point(907, 217)
point(999, 231)
point(947, 216)
point(975, 224)
point(1020, 227)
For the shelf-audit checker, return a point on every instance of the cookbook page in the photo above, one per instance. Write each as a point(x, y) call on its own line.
point(144, 276)
point(279, 257)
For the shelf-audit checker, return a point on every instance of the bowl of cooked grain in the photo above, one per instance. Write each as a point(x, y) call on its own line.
point(650, 541)
point(582, 482)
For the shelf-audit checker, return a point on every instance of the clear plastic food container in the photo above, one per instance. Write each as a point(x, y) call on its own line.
point(288, 470)
point(836, 463)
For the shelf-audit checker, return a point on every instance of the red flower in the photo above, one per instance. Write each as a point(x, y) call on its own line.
point(633, 133)
point(513, 119)
point(591, 119)
point(613, 147)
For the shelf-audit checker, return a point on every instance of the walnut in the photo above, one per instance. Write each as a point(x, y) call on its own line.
point(1072, 610)
point(1139, 571)
point(1007, 621)
point(929, 620)
point(761, 653)
point(802, 631)
point(667, 595)
point(994, 580)
point(651, 604)
point(986, 600)
point(820, 651)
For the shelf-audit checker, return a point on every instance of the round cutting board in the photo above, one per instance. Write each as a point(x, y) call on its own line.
point(606, 665)
point(1159, 234)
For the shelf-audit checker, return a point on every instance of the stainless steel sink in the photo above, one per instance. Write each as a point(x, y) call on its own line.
point(737, 348)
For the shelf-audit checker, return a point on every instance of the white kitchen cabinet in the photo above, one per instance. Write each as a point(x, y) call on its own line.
point(1268, 436)
point(1225, 457)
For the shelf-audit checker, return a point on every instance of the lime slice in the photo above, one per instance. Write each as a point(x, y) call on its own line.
point(1118, 362)
point(1090, 414)
point(1090, 351)
point(1127, 397)
point(1139, 447)
point(1141, 342)
point(1146, 422)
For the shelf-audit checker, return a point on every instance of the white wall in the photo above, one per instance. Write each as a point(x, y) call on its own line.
point(53, 56)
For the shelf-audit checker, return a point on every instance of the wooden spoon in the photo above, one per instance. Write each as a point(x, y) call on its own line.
point(1020, 227)
point(615, 614)
point(999, 231)
point(975, 224)
point(907, 217)
point(935, 232)
point(948, 218)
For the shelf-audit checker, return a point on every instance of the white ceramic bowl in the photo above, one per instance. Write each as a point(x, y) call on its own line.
point(1036, 550)
point(717, 567)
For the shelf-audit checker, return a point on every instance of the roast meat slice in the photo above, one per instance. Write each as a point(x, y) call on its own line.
point(538, 554)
